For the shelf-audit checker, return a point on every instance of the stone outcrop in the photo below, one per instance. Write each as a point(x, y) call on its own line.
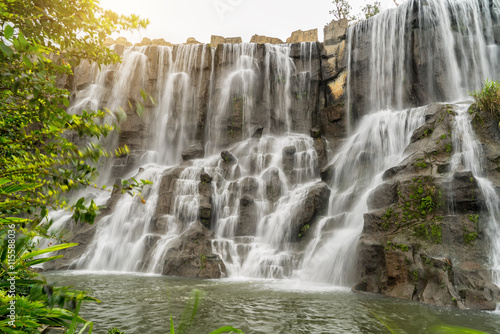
point(299, 36)
point(109, 41)
point(424, 239)
point(147, 42)
point(315, 205)
point(216, 40)
point(123, 41)
point(193, 152)
point(264, 39)
point(192, 40)
point(332, 120)
point(161, 42)
point(191, 255)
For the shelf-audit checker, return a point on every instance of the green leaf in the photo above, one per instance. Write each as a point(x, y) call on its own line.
point(42, 260)
point(87, 324)
point(48, 250)
point(227, 329)
point(65, 102)
point(6, 50)
point(22, 40)
point(172, 330)
point(27, 61)
point(13, 220)
point(139, 109)
point(8, 32)
point(446, 329)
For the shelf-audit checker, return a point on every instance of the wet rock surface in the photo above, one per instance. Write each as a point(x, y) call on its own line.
point(191, 255)
point(425, 237)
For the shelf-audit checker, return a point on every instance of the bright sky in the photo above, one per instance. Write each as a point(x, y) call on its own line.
point(176, 20)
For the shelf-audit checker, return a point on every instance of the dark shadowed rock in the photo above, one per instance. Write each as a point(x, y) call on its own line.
point(465, 194)
point(205, 191)
point(193, 152)
point(288, 154)
point(273, 184)
point(168, 183)
point(228, 157)
point(315, 205)
point(320, 146)
point(247, 221)
point(327, 173)
point(258, 133)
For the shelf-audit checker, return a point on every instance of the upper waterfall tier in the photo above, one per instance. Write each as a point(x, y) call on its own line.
point(213, 97)
point(421, 52)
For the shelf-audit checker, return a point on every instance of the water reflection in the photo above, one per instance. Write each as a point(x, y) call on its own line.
point(142, 304)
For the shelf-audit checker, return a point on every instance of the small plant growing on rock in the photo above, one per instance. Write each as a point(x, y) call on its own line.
point(488, 98)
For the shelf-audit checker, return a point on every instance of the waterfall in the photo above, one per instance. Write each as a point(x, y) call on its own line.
point(421, 52)
point(261, 247)
point(245, 113)
point(469, 156)
point(376, 144)
point(180, 90)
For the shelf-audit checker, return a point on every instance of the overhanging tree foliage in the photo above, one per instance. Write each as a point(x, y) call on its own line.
point(40, 40)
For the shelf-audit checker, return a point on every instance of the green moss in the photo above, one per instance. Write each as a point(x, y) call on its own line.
point(470, 237)
point(303, 230)
point(420, 163)
point(474, 218)
point(203, 260)
point(395, 245)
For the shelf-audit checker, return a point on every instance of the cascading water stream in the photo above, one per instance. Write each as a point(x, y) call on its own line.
point(421, 52)
point(180, 90)
point(469, 156)
point(264, 177)
point(377, 144)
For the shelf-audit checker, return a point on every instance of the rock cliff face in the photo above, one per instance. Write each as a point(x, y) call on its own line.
point(265, 39)
point(216, 40)
point(418, 56)
point(303, 36)
point(426, 235)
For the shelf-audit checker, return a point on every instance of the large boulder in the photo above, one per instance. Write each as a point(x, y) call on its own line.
point(315, 205)
point(190, 255)
point(265, 39)
point(299, 36)
point(195, 151)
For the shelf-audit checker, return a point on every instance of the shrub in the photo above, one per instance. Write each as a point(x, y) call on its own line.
point(488, 98)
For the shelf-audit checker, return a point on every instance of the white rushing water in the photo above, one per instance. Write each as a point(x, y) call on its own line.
point(180, 88)
point(423, 50)
point(469, 155)
point(377, 144)
point(127, 240)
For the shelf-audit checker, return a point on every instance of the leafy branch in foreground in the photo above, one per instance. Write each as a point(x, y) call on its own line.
point(40, 41)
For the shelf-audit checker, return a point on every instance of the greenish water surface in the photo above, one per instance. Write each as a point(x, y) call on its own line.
point(141, 304)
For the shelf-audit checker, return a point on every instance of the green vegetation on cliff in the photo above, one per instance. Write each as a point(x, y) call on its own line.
point(488, 98)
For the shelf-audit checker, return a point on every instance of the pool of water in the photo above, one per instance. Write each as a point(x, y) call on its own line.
point(138, 304)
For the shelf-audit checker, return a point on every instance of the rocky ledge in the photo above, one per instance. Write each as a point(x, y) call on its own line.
point(425, 238)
